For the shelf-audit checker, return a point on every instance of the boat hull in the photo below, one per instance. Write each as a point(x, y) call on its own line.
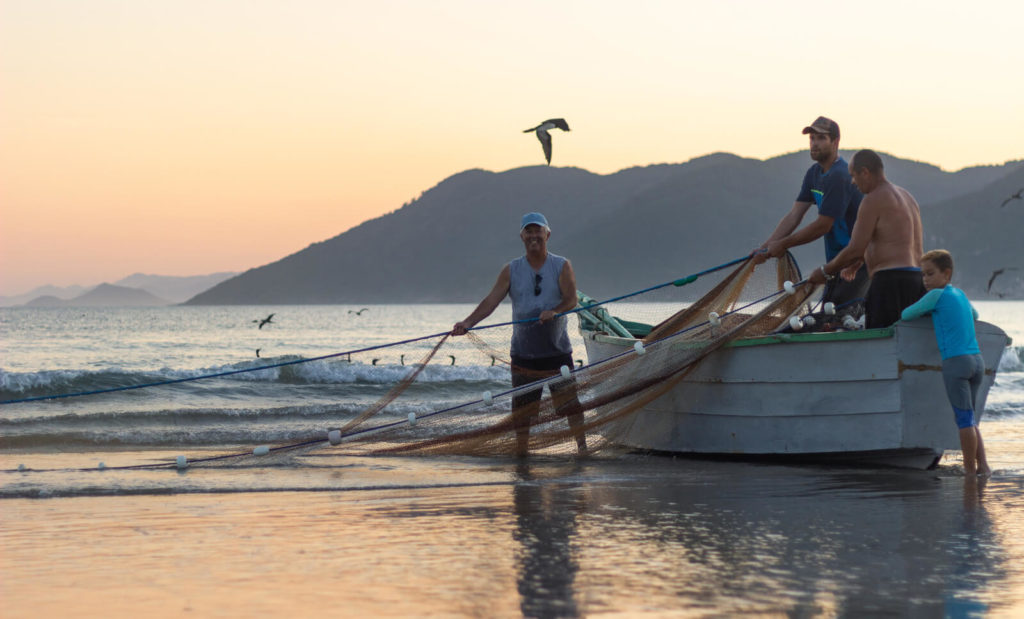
point(865, 396)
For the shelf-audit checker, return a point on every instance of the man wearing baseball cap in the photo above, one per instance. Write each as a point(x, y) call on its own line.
point(542, 285)
point(828, 186)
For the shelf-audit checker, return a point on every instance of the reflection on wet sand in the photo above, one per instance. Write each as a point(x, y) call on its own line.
point(545, 517)
point(881, 542)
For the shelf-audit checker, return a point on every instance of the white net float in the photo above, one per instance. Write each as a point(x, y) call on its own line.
point(565, 371)
point(334, 437)
point(714, 319)
point(181, 462)
point(262, 450)
point(488, 398)
point(796, 324)
point(830, 309)
point(639, 348)
point(809, 321)
point(412, 417)
point(789, 287)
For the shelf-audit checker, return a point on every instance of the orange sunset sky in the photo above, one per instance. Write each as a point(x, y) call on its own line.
point(187, 137)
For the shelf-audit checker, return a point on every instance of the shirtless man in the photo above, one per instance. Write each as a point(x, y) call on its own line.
point(888, 237)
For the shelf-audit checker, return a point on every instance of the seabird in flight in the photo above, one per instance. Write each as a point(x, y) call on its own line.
point(545, 137)
point(996, 274)
point(359, 313)
point(1016, 196)
point(265, 321)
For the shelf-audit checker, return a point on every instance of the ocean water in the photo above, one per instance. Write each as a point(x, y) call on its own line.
point(617, 533)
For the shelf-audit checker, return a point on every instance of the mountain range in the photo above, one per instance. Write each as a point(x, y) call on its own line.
point(623, 231)
point(133, 291)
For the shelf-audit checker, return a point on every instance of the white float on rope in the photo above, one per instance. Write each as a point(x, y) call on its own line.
point(262, 450)
point(638, 346)
point(21, 468)
point(181, 462)
point(830, 308)
point(809, 321)
point(714, 319)
point(488, 398)
point(566, 373)
point(412, 417)
point(788, 287)
point(795, 323)
point(101, 466)
point(334, 437)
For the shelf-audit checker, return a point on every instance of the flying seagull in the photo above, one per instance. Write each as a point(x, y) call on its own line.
point(996, 274)
point(545, 137)
point(1016, 196)
point(265, 321)
point(359, 313)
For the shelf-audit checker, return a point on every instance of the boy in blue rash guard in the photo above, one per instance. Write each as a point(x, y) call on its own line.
point(963, 368)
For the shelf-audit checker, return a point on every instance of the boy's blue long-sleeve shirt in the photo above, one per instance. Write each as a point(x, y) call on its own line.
point(953, 317)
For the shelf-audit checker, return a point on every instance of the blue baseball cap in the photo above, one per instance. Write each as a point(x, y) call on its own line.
point(534, 218)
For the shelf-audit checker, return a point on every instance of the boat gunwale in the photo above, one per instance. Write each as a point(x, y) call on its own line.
point(760, 340)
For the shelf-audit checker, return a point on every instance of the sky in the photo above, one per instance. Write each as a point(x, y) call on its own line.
point(186, 137)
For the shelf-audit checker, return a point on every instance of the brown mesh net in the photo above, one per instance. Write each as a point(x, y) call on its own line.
point(578, 410)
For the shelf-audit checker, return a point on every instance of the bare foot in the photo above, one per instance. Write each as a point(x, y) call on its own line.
point(985, 472)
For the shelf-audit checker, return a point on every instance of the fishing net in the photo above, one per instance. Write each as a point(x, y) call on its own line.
point(658, 337)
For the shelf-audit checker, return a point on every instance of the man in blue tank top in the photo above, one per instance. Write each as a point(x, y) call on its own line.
point(827, 186)
point(542, 285)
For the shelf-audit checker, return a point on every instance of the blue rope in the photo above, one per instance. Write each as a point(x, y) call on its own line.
point(678, 282)
point(399, 422)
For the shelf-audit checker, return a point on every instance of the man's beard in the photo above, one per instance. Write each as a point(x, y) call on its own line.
point(822, 155)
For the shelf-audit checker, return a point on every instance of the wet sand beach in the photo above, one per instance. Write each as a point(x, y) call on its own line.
point(630, 535)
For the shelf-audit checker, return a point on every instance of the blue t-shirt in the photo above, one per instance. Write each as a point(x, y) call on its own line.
point(953, 317)
point(836, 196)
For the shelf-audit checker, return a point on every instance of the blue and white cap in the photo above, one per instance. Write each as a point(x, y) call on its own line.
point(534, 218)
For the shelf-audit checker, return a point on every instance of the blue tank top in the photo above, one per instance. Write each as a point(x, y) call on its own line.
point(533, 340)
point(953, 317)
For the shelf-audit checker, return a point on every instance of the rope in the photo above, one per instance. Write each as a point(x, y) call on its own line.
point(677, 282)
point(393, 424)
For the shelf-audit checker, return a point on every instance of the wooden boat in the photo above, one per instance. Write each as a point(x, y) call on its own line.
point(870, 396)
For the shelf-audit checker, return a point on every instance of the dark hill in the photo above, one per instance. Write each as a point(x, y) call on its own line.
point(623, 231)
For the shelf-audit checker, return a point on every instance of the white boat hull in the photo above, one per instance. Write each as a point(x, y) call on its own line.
point(870, 396)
